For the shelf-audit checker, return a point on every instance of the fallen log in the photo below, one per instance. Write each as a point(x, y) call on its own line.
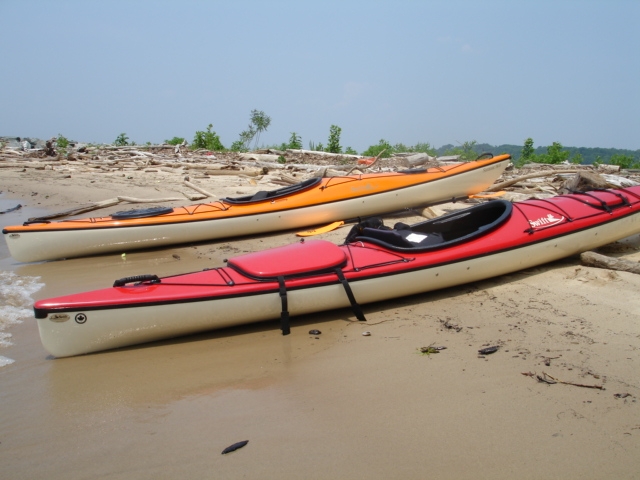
point(78, 210)
point(593, 259)
point(248, 173)
point(324, 154)
point(149, 200)
point(513, 181)
point(198, 189)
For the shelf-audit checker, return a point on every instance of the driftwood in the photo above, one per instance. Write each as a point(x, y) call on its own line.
point(364, 167)
point(148, 200)
point(78, 210)
point(247, 173)
point(323, 154)
point(198, 189)
point(102, 204)
point(593, 259)
point(513, 181)
point(260, 157)
point(584, 181)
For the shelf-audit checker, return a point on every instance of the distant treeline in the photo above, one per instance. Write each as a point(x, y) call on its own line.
point(589, 155)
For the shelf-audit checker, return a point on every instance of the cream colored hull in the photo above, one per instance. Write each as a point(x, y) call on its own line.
point(119, 327)
point(47, 245)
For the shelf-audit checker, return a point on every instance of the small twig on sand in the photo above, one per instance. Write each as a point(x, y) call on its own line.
point(546, 378)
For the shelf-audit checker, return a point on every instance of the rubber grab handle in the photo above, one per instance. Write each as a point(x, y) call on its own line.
point(136, 278)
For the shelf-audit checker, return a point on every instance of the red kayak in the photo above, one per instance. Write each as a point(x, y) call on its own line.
point(375, 263)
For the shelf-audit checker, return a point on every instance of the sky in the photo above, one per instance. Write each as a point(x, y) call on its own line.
point(406, 71)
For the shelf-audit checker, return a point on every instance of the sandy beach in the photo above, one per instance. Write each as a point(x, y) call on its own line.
point(340, 406)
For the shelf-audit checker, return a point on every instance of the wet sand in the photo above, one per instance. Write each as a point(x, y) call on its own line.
point(342, 405)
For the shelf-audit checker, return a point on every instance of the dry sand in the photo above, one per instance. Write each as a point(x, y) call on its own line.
point(342, 405)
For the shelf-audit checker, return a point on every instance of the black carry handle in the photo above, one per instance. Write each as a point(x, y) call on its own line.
point(136, 278)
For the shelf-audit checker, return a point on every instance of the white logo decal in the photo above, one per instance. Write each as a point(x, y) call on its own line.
point(546, 221)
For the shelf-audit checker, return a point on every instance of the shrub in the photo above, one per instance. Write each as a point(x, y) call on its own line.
point(122, 140)
point(374, 150)
point(208, 140)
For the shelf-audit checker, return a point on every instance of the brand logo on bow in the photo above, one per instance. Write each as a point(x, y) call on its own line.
point(547, 221)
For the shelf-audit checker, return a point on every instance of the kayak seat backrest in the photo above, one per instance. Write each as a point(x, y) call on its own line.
point(451, 229)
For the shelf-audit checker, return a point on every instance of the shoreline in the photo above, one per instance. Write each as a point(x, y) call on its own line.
point(340, 406)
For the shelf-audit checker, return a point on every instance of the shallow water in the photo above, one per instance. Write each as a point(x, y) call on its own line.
point(16, 291)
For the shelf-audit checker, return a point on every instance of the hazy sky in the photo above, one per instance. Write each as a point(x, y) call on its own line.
point(442, 72)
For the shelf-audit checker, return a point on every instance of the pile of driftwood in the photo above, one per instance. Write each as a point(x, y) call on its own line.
point(293, 166)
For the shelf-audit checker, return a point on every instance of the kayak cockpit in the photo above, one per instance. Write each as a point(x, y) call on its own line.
point(447, 230)
point(263, 195)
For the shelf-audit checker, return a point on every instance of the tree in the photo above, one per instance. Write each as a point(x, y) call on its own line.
point(260, 122)
point(295, 141)
point(333, 145)
point(528, 152)
point(556, 154)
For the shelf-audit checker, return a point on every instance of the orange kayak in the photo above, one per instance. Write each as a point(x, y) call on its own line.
point(313, 202)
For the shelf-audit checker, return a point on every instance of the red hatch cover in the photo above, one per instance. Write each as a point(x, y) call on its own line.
point(297, 259)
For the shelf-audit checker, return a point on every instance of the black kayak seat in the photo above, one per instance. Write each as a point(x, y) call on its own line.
point(404, 238)
point(441, 232)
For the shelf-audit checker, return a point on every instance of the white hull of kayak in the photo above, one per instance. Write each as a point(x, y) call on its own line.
point(110, 328)
point(35, 246)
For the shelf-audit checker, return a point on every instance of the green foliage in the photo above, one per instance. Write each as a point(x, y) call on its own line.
point(333, 145)
point(238, 146)
point(295, 141)
point(259, 123)
point(208, 140)
point(527, 150)
point(374, 150)
point(350, 151)
point(423, 147)
point(62, 142)
point(555, 154)
point(316, 147)
point(174, 141)
point(624, 161)
point(466, 151)
point(122, 140)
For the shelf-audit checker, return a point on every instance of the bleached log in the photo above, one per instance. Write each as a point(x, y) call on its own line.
point(260, 157)
point(249, 173)
point(289, 179)
point(418, 159)
point(593, 259)
point(513, 181)
point(198, 189)
point(78, 210)
point(148, 200)
point(324, 154)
